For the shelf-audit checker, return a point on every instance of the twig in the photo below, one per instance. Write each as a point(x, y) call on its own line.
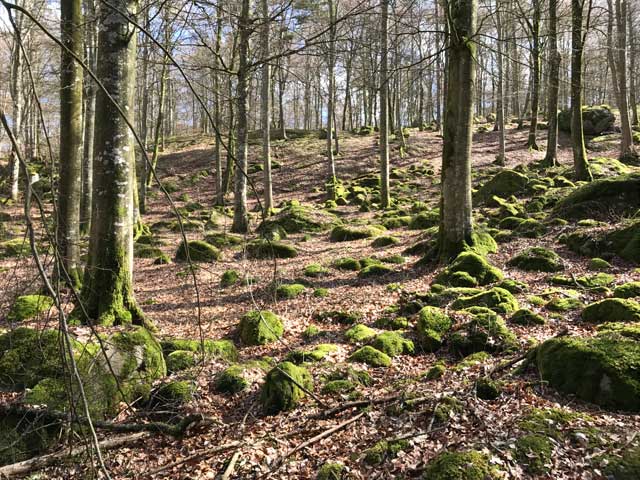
point(232, 465)
point(204, 453)
point(355, 404)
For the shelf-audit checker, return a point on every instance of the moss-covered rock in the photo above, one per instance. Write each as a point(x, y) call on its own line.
point(432, 326)
point(339, 316)
point(231, 380)
point(436, 371)
point(317, 353)
point(26, 307)
point(360, 333)
point(503, 184)
point(370, 356)
point(604, 369)
point(347, 263)
point(222, 349)
point(296, 218)
point(534, 453)
point(497, 299)
point(470, 465)
point(596, 120)
point(264, 249)
point(537, 259)
point(173, 394)
point(623, 240)
point(488, 389)
point(469, 270)
point(530, 228)
point(524, 316)
point(393, 344)
point(384, 241)
point(330, 471)
point(259, 327)
point(424, 220)
point(315, 270)
point(626, 467)
point(281, 389)
point(229, 278)
point(384, 450)
point(599, 264)
point(17, 247)
point(22, 438)
point(392, 323)
point(513, 286)
point(179, 360)
point(223, 239)
point(612, 310)
point(289, 291)
point(627, 290)
point(198, 251)
point(485, 332)
point(375, 270)
point(564, 303)
point(344, 233)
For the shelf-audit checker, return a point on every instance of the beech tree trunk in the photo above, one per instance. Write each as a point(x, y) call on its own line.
point(385, 197)
point(331, 97)
point(551, 157)
point(266, 111)
point(626, 148)
point(535, 74)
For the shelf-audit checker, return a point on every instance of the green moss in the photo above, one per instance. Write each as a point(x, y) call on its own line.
point(319, 352)
point(180, 360)
point(288, 291)
point(599, 264)
point(26, 307)
point(263, 249)
point(347, 263)
point(375, 270)
point(537, 259)
point(513, 286)
point(296, 218)
point(424, 220)
point(530, 228)
point(626, 467)
point(321, 292)
point(497, 299)
point(23, 438)
point(343, 233)
point(370, 356)
point(223, 349)
point(394, 222)
point(564, 304)
point(384, 241)
point(280, 392)
point(384, 450)
point(395, 259)
point(339, 316)
point(231, 380)
point(315, 270)
point(602, 369)
point(436, 371)
point(488, 389)
point(483, 333)
point(468, 270)
point(628, 290)
point(612, 310)
point(198, 251)
point(393, 344)
point(549, 422)
point(162, 259)
point(524, 316)
point(432, 325)
point(360, 333)
point(338, 386)
point(503, 184)
point(330, 471)
point(229, 278)
point(311, 332)
point(187, 225)
point(472, 360)
point(173, 394)
point(223, 239)
point(14, 248)
point(260, 327)
point(534, 453)
point(392, 323)
point(469, 465)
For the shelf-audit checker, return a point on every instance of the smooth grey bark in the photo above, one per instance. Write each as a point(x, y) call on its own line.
point(265, 110)
point(500, 123)
point(17, 106)
point(331, 96)
point(217, 111)
point(626, 148)
point(385, 197)
point(456, 227)
point(633, 51)
point(70, 173)
point(534, 26)
point(551, 156)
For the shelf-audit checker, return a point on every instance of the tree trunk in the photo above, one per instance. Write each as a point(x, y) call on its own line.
point(217, 111)
point(266, 112)
point(385, 197)
point(580, 163)
point(500, 159)
point(633, 50)
point(626, 148)
point(16, 114)
point(456, 226)
point(330, 104)
point(107, 292)
point(551, 157)
point(535, 73)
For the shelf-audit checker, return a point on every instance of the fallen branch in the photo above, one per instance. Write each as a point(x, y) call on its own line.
point(228, 472)
point(199, 455)
point(43, 461)
point(357, 404)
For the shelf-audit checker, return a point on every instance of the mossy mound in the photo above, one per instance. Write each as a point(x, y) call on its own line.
point(524, 316)
point(223, 349)
point(17, 247)
point(424, 220)
point(469, 465)
point(229, 278)
point(432, 325)
point(239, 377)
point(339, 316)
point(596, 281)
point(564, 303)
point(599, 264)
point(198, 251)
point(316, 354)
point(173, 394)
point(360, 333)
point(330, 471)
point(537, 259)
point(347, 263)
point(497, 299)
point(375, 270)
point(180, 360)
point(503, 184)
point(612, 310)
point(534, 453)
point(627, 290)
point(370, 356)
point(469, 270)
point(392, 323)
point(281, 390)
point(26, 307)
point(24, 438)
point(609, 196)
point(343, 233)
point(296, 218)
point(513, 286)
point(264, 249)
point(393, 344)
point(315, 270)
point(259, 327)
point(604, 369)
point(187, 224)
point(289, 291)
point(384, 241)
point(484, 333)
point(384, 450)
point(223, 239)
point(436, 371)
point(595, 120)
point(530, 228)
point(624, 240)
point(626, 467)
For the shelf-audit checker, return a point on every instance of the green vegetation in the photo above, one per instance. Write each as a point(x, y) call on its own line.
point(26, 307)
point(259, 327)
point(282, 387)
point(198, 251)
point(370, 356)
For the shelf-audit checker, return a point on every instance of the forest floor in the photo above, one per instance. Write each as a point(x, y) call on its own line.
point(583, 436)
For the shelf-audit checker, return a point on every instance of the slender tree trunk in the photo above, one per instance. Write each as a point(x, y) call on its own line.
point(107, 293)
point(551, 157)
point(535, 73)
point(331, 96)
point(16, 114)
point(456, 226)
point(500, 159)
point(633, 51)
point(626, 148)
point(385, 197)
point(70, 185)
point(240, 216)
point(266, 111)
point(217, 111)
point(580, 162)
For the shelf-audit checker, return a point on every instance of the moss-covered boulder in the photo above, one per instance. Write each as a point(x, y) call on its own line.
point(503, 184)
point(469, 270)
point(424, 220)
point(198, 251)
point(374, 271)
point(393, 344)
point(264, 249)
point(27, 307)
point(384, 450)
point(627, 290)
point(612, 310)
point(370, 356)
point(534, 453)
point(259, 327)
point(22, 438)
point(344, 233)
point(384, 241)
point(223, 239)
point(433, 324)
point(537, 259)
point(297, 218)
point(14, 248)
point(289, 291)
point(315, 270)
point(347, 263)
point(484, 333)
point(604, 369)
point(240, 376)
point(222, 349)
point(469, 465)
point(330, 471)
point(524, 316)
point(622, 240)
point(229, 278)
point(360, 333)
point(282, 387)
point(626, 467)
point(497, 299)
point(172, 395)
point(530, 228)
point(180, 360)
point(596, 120)
point(315, 354)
